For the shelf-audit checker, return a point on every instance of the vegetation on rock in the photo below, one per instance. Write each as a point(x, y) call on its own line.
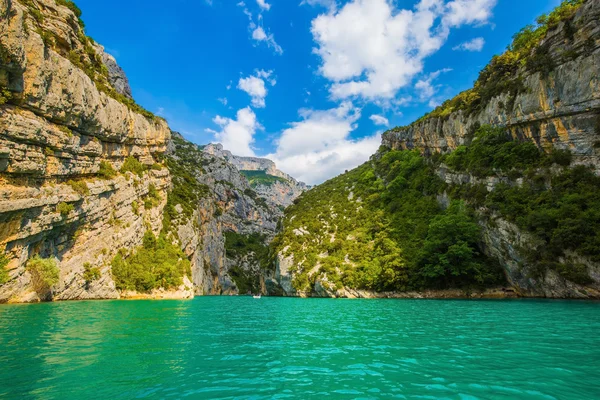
point(106, 170)
point(249, 249)
point(44, 272)
point(158, 263)
point(84, 57)
point(90, 273)
point(4, 277)
point(186, 190)
point(377, 227)
point(64, 208)
point(381, 226)
point(133, 165)
point(527, 51)
point(256, 178)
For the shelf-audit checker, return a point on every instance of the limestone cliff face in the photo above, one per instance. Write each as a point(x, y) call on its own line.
point(281, 192)
point(68, 124)
point(56, 130)
point(561, 109)
point(505, 242)
point(229, 205)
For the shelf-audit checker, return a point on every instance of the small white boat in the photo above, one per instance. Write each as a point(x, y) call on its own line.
point(256, 296)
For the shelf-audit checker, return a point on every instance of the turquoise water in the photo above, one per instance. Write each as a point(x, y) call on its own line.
point(238, 347)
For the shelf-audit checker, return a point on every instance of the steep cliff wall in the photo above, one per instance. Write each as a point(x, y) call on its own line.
point(228, 226)
point(64, 132)
point(558, 107)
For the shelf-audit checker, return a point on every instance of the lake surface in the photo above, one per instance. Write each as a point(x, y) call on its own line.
point(239, 347)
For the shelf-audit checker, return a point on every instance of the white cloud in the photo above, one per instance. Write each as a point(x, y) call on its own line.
point(223, 100)
point(379, 120)
point(318, 147)
point(256, 88)
point(475, 44)
point(259, 34)
point(331, 4)
point(460, 12)
point(237, 135)
point(257, 31)
point(371, 49)
point(263, 4)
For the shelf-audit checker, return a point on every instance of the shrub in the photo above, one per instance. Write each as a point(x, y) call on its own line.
point(4, 277)
point(79, 186)
point(132, 165)
point(106, 170)
point(135, 207)
point(90, 273)
point(44, 272)
point(158, 263)
point(71, 6)
point(153, 199)
point(64, 208)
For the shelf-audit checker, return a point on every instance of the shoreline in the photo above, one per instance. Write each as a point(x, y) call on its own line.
point(450, 294)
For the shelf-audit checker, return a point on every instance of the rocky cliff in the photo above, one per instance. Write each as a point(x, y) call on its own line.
point(270, 183)
point(86, 175)
point(229, 214)
point(62, 139)
point(552, 100)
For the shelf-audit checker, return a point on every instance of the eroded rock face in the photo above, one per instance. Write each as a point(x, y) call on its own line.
point(66, 130)
point(229, 205)
point(117, 76)
point(560, 110)
point(54, 134)
point(281, 192)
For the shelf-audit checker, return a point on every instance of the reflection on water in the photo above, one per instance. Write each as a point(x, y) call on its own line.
point(223, 347)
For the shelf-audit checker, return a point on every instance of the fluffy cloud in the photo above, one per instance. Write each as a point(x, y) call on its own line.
point(263, 4)
point(256, 88)
point(237, 135)
point(318, 147)
point(379, 120)
point(475, 44)
point(370, 49)
point(460, 12)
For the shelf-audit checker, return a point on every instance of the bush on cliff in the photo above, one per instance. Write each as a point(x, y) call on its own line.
point(44, 273)
point(132, 165)
point(4, 277)
point(158, 263)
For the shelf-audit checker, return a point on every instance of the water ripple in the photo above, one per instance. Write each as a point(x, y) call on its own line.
point(241, 348)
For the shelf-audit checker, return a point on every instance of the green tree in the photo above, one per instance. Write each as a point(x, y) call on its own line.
point(449, 254)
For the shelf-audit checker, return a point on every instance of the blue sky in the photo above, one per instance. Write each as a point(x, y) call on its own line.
point(307, 83)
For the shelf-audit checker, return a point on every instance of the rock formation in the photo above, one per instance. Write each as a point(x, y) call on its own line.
point(282, 191)
point(85, 172)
